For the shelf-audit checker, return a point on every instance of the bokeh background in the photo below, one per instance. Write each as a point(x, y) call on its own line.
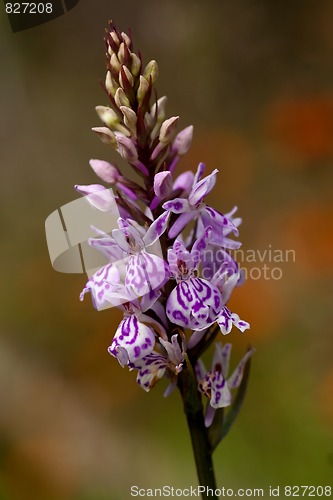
point(256, 80)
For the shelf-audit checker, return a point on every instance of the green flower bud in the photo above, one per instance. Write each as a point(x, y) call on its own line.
point(107, 115)
point(110, 84)
point(121, 98)
point(121, 53)
point(160, 105)
point(128, 76)
point(114, 37)
point(105, 135)
point(135, 65)
point(151, 71)
point(142, 90)
point(126, 39)
point(168, 129)
point(115, 64)
point(130, 118)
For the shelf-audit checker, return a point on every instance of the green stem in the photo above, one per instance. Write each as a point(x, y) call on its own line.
point(194, 413)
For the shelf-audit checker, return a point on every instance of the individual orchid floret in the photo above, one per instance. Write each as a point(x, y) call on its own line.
point(131, 267)
point(100, 283)
point(166, 359)
point(216, 384)
point(164, 186)
point(195, 206)
point(195, 302)
point(226, 319)
point(135, 334)
point(145, 270)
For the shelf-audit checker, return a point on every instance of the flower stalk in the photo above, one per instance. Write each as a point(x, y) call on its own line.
point(169, 264)
point(193, 410)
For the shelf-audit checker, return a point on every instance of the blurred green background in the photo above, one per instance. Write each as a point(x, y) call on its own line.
point(256, 80)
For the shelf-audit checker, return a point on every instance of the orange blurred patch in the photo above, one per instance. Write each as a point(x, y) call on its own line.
point(309, 231)
point(257, 302)
point(304, 126)
point(34, 471)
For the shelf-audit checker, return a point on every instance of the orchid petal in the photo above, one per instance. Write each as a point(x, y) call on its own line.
point(156, 229)
point(224, 321)
point(100, 283)
point(181, 222)
point(134, 336)
point(98, 196)
point(177, 206)
point(239, 323)
point(194, 303)
point(235, 379)
point(184, 181)
point(199, 173)
point(145, 272)
point(163, 184)
point(203, 188)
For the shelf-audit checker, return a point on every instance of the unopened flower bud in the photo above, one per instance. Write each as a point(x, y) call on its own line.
point(110, 84)
point(126, 148)
point(163, 184)
point(121, 98)
point(105, 171)
point(130, 118)
point(142, 90)
point(126, 39)
point(168, 129)
point(135, 65)
point(114, 37)
point(107, 115)
point(183, 141)
point(151, 71)
point(115, 64)
point(105, 135)
point(98, 196)
point(160, 105)
point(128, 76)
point(121, 53)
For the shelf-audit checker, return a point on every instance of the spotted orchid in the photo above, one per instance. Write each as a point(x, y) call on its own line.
point(136, 334)
point(216, 384)
point(195, 302)
point(166, 360)
point(194, 206)
point(169, 265)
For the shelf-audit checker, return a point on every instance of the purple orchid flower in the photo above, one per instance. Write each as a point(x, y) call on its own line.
point(131, 266)
point(145, 271)
point(195, 302)
point(136, 334)
point(226, 283)
point(216, 384)
point(194, 206)
point(167, 359)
